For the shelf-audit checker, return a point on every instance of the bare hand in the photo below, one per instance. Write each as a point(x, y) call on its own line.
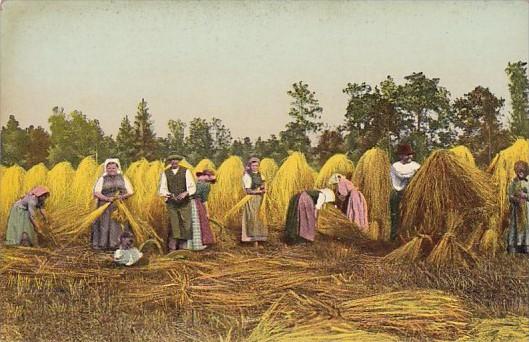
point(181, 196)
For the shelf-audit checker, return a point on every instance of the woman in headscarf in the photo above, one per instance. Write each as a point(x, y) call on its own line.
point(112, 185)
point(302, 214)
point(518, 192)
point(22, 222)
point(201, 231)
point(351, 201)
point(253, 229)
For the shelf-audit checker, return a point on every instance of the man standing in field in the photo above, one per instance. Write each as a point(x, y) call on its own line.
point(401, 172)
point(176, 186)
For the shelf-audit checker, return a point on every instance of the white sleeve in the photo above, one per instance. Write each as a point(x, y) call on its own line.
point(190, 183)
point(128, 186)
point(247, 181)
point(99, 185)
point(395, 179)
point(163, 185)
point(321, 201)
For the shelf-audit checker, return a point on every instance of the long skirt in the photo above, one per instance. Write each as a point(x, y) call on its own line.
point(356, 209)
point(105, 230)
point(17, 224)
point(518, 239)
point(253, 229)
point(195, 243)
point(301, 222)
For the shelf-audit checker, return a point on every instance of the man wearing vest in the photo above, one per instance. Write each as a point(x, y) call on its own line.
point(176, 186)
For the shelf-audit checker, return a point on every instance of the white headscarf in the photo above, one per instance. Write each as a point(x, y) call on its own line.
point(334, 179)
point(329, 195)
point(111, 161)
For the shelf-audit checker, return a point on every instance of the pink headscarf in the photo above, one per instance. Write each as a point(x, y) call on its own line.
point(39, 191)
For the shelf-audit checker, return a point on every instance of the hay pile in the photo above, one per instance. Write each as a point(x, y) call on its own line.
point(228, 189)
point(293, 176)
point(59, 181)
point(446, 184)
point(339, 163)
point(136, 174)
point(35, 176)
point(205, 164)
point(11, 190)
point(464, 154)
point(373, 180)
point(511, 328)
point(84, 180)
point(333, 223)
point(268, 169)
point(502, 170)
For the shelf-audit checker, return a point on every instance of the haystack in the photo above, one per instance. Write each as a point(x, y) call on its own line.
point(510, 328)
point(83, 183)
point(339, 163)
point(464, 154)
point(136, 174)
point(446, 184)
point(293, 176)
point(372, 178)
point(35, 176)
point(11, 185)
point(59, 181)
point(268, 169)
point(228, 189)
point(205, 164)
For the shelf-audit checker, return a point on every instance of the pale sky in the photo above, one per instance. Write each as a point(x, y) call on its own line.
point(236, 60)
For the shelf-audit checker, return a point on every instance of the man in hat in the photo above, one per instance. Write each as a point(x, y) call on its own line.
point(401, 172)
point(176, 186)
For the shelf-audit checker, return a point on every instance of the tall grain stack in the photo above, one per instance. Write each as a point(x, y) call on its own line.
point(59, 181)
point(372, 178)
point(11, 185)
point(268, 169)
point(228, 189)
point(83, 183)
point(136, 174)
point(293, 176)
point(35, 176)
point(339, 163)
point(464, 154)
point(205, 164)
point(154, 206)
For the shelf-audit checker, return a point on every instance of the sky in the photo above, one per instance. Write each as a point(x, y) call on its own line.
point(237, 60)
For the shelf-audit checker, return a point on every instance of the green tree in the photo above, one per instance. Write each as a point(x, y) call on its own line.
point(125, 142)
point(38, 145)
point(199, 141)
point(176, 138)
point(145, 142)
point(270, 148)
point(306, 113)
point(330, 143)
point(14, 143)
point(519, 89)
point(222, 140)
point(243, 149)
point(477, 116)
point(74, 137)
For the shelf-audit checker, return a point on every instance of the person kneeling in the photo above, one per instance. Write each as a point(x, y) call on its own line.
point(127, 254)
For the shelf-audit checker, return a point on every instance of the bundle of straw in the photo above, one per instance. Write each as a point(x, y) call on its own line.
point(142, 230)
point(444, 184)
point(293, 176)
point(154, 209)
point(205, 164)
point(490, 241)
point(339, 163)
point(502, 170)
point(428, 313)
point(268, 168)
point(510, 328)
point(332, 222)
point(449, 251)
point(136, 174)
point(59, 181)
point(372, 178)
point(35, 176)
point(228, 190)
point(11, 185)
point(464, 154)
point(83, 183)
point(410, 252)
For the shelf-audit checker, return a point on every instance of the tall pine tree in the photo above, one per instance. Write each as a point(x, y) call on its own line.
point(145, 143)
point(519, 89)
point(125, 142)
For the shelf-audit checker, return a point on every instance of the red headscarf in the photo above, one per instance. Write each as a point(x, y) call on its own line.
point(39, 191)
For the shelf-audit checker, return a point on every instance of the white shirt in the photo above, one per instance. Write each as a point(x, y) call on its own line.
point(99, 185)
point(247, 180)
point(401, 174)
point(320, 202)
point(127, 257)
point(190, 183)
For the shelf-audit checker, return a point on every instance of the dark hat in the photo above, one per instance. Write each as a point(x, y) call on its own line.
point(404, 149)
point(175, 156)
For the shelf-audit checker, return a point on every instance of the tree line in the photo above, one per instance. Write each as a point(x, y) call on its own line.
point(419, 111)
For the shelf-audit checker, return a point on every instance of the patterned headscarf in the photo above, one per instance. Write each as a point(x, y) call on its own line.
point(335, 178)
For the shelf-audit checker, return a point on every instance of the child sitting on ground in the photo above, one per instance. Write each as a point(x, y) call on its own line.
point(127, 254)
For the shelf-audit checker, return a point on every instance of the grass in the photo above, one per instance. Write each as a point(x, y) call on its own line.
point(330, 290)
